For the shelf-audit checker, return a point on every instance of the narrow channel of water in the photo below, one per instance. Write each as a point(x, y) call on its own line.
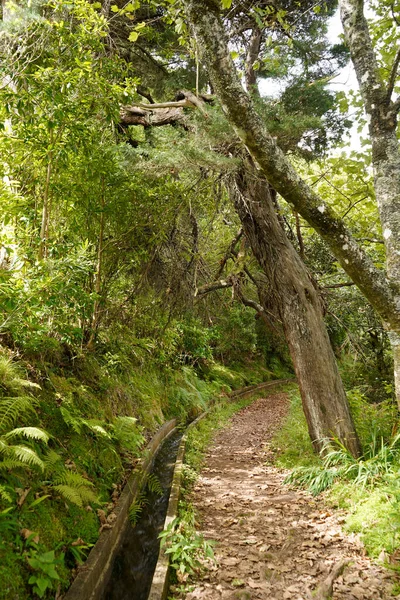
point(134, 565)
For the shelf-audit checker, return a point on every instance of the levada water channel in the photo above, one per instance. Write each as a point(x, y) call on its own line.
point(134, 565)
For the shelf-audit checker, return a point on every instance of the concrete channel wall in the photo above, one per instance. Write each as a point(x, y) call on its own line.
point(252, 389)
point(95, 573)
point(159, 587)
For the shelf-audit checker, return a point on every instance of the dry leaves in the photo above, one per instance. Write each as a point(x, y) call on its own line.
point(273, 544)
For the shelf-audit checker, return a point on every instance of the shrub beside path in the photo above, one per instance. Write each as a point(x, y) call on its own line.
point(273, 543)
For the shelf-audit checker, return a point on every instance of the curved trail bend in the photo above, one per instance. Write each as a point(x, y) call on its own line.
point(272, 543)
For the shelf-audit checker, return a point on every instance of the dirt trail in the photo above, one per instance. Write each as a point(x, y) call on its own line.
point(272, 543)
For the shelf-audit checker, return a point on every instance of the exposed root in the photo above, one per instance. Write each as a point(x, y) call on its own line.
point(325, 589)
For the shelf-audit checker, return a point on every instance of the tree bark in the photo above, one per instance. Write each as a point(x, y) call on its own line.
point(381, 113)
point(99, 269)
point(253, 52)
point(300, 310)
point(44, 228)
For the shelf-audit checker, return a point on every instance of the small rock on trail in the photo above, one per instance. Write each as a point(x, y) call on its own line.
point(272, 543)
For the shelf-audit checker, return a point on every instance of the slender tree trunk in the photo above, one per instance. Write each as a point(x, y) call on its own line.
point(300, 310)
point(44, 228)
point(99, 268)
point(253, 52)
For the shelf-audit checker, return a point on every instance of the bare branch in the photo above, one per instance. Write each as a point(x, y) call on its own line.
point(337, 285)
point(393, 76)
point(142, 91)
point(353, 205)
point(215, 285)
point(175, 104)
point(370, 240)
point(228, 253)
point(252, 55)
point(395, 19)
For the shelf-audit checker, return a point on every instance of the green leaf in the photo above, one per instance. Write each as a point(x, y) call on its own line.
point(39, 500)
point(114, 8)
point(133, 36)
point(226, 3)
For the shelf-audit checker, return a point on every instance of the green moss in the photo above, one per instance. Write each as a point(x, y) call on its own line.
point(11, 575)
point(371, 514)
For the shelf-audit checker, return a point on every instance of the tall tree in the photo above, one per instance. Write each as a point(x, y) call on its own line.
point(205, 19)
point(381, 108)
point(300, 310)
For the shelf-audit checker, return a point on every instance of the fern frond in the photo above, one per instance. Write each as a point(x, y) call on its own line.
point(87, 495)
point(52, 462)
point(69, 493)
point(27, 456)
point(136, 508)
point(29, 384)
point(13, 408)
point(154, 485)
point(128, 433)
point(73, 479)
point(12, 376)
point(9, 464)
point(4, 495)
point(96, 428)
point(32, 433)
point(71, 420)
point(74, 488)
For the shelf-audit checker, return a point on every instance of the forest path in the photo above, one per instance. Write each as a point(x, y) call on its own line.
point(272, 543)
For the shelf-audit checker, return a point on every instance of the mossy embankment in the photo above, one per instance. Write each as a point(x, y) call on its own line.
point(69, 437)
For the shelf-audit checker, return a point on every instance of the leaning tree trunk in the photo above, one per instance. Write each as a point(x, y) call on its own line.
point(300, 310)
point(205, 20)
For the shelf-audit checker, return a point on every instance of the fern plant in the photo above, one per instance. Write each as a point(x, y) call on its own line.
point(78, 423)
point(74, 488)
point(128, 433)
point(71, 486)
point(154, 485)
point(16, 405)
point(136, 508)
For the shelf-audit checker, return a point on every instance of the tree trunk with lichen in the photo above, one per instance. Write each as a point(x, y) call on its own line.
point(204, 18)
point(381, 113)
point(297, 302)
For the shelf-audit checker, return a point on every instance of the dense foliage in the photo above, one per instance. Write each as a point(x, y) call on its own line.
point(111, 234)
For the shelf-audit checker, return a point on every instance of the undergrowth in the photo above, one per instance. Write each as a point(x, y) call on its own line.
point(67, 443)
point(367, 488)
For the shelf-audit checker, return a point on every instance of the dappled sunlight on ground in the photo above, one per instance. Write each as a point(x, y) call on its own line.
point(273, 543)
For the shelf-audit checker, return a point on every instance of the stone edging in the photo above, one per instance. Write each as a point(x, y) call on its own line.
point(251, 389)
point(159, 587)
point(95, 573)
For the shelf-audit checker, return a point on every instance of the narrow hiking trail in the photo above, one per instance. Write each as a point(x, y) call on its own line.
point(272, 543)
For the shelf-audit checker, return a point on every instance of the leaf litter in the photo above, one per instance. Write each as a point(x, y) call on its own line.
point(273, 543)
